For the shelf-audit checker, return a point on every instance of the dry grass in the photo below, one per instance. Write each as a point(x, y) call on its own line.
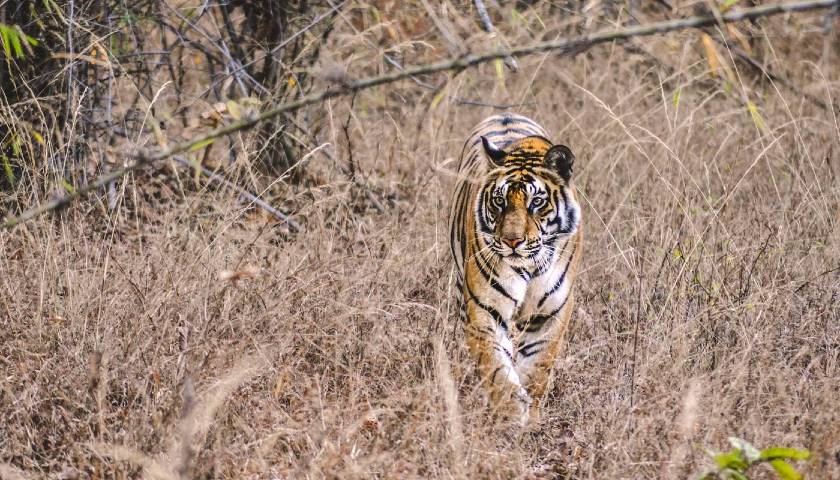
point(196, 338)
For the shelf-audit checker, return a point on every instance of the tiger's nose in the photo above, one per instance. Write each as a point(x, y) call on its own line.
point(513, 242)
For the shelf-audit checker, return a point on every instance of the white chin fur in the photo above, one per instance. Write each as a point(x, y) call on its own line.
point(518, 261)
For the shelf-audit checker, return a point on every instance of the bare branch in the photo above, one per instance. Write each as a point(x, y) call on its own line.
point(487, 24)
point(293, 225)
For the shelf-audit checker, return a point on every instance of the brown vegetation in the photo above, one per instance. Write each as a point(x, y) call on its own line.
point(167, 325)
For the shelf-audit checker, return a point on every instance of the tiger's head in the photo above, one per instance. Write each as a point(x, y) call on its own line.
point(527, 204)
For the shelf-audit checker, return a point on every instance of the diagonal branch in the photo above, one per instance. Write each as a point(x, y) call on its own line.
point(562, 46)
point(488, 27)
point(283, 217)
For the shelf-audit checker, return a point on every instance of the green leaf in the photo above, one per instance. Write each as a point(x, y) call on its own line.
point(440, 96)
point(676, 98)
point(785, 470)
point(30, 40)
point(757, 119)
point(727, 4)
point(774, 453)
point(16, 146)
point(7, 168)
point(11, 36)
point(67, 186)
point(234, 110)
point(18, 48)
point(5, 32)
point(500, 71)
point(732, 459)
point(750, 452)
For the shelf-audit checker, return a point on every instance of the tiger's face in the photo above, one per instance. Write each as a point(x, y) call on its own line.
point(527, 205)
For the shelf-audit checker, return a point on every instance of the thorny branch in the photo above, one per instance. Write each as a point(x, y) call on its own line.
point(562, 46)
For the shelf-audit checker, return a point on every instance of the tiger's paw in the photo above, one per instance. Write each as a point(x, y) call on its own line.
point(513, 407)
point(520, 407)
point(534, 416)
point(524, 407)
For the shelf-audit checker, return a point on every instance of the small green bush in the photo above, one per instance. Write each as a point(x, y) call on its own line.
point(736, 463)
point(14, 40)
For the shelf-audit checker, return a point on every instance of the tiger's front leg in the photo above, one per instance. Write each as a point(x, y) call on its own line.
point(492, 349)
point(540, 344)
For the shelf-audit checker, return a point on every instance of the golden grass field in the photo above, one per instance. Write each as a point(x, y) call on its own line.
point(187, 334)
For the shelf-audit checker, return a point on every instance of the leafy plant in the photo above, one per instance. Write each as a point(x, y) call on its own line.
point(13, 39)
point(734, 464)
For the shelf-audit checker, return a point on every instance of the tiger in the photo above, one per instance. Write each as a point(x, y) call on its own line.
point(516, 239)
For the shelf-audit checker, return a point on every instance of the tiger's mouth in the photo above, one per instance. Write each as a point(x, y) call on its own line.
point(521, 253)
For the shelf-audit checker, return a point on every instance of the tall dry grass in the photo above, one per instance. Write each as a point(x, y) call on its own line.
point(185, 334)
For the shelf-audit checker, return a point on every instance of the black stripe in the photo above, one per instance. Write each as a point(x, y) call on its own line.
point(490, 310)
point(486, 330)
point(523, 350)
point(509, 118)
point(489, 276)
point(570, 216)
point(522, 273)
point(562, 279)
point(507, 131)
point(493, 376)
point(527, 120)
point(501, 133)
point(482, 219)
point(540, 269)
point(459, 224)
point(505, 119)
point(497, 347)
point(469, 161)
point(536, 322)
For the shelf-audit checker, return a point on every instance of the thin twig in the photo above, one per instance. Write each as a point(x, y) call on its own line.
point(563, 46)
point(498, 106)
point(293, 225)
point(112, 187)
point(808, 282)
point(458, 100)
point(71, 89)
point(487, 24)
point(351, 163)
point(454, 44)
point(636, 331)
point(285, 42)
point(774, 77)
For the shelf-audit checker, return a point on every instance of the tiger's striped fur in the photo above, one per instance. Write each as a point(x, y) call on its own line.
point(516, 239)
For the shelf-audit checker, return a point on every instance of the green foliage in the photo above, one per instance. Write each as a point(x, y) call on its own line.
point(8, 170)
point(14, 40)
point(727, 4)
point(735, 464)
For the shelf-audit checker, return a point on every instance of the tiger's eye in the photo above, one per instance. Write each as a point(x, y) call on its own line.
point(498, 201)
point(537, 202)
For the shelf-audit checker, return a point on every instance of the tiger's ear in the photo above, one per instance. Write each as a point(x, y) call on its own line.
point(496, 154)
point(560, 159)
